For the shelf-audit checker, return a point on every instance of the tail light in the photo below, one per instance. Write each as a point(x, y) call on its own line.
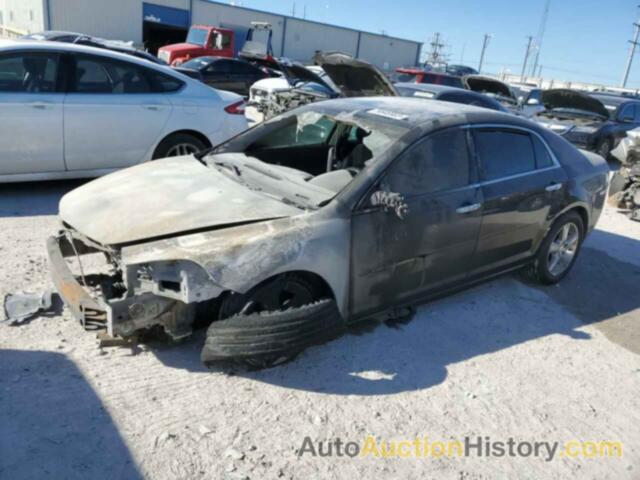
point(235, 108)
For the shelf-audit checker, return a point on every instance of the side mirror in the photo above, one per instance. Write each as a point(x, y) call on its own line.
point(390, 202)
point(520, 100)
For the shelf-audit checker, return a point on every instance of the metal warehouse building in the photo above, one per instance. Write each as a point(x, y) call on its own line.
point(159, 22)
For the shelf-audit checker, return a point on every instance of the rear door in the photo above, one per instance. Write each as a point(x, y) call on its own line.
point(113, 114)
point(31, 104)
point(417, 230)
point(522, 187)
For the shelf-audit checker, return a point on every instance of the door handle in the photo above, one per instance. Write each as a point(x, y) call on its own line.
point(154, 108)
point(39, 105)
point(469, 208)
point(554, 187)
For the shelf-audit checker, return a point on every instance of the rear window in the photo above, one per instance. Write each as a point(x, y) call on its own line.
point(401, 77)
point(504, 153)
point(441, 80)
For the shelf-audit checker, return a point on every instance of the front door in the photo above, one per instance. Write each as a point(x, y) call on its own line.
point(31, 103)
point(418, 229)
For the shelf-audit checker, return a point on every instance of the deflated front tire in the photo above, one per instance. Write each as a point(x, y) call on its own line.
point(266, 339)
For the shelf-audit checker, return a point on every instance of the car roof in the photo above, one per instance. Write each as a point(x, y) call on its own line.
point(430, 87)
point(417, 111)
point(55, 33)
point(31, 45)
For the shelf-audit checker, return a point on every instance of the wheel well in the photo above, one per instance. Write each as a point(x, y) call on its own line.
point(203, 138)
point(584, 215)
point(324, 289)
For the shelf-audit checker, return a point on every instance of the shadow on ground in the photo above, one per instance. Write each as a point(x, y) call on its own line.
point(379, 359)
point(34, 198)
point(55, 429)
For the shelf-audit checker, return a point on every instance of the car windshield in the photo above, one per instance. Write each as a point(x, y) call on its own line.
point(306, 157)
point(197, 36)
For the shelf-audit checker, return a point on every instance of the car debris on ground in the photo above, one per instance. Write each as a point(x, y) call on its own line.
point(19, 307)
point(625, 184)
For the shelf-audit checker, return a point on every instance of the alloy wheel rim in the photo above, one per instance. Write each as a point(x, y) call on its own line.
point(563, 249)
point(182, 149)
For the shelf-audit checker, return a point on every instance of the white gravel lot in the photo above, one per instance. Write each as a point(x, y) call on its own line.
point(504, 359)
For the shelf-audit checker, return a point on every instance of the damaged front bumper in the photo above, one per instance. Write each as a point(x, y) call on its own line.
point(99, 304)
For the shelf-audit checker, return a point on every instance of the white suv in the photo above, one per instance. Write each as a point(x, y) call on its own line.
point(70, 111)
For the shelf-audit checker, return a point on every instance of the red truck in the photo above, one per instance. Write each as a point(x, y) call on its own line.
point(206, 40)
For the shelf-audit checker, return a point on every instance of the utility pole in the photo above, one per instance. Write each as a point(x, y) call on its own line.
point(526, 58)
point(304, 11)
point(632, 52)
point(436, 57)
point(293, 10)
point(540, 37)
point(485, 44)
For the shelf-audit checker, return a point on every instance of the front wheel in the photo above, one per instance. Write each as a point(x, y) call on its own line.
point(178, 145)
point(559, 250)
point(272, 323)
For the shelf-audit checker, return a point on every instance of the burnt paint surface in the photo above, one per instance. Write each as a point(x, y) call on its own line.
point(397, 258)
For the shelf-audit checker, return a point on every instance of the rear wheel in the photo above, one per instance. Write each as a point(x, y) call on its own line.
point(272, 323)
point(178, 145)
point(559, 250)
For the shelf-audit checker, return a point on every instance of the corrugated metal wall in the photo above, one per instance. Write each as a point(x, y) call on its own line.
point(304, 38)
point(23, 15)
point(114, 19)
point(386, 52)
point(292, 37)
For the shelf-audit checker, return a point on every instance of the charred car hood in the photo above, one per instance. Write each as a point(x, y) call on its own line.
point(163, 198)
point(354, 77)
point(570, 99)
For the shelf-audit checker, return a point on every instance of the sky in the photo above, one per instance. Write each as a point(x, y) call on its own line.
point(585, 40)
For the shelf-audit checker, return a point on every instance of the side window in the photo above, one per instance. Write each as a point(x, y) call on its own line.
point(637, 113)
point(290, 135)
point(162, 83)
point(438, 162)
point(503, 153)
point(104, 75)
point(627, 112)
point(226, 40)
point(221, 66)
point(28, 72)
point(543, 158)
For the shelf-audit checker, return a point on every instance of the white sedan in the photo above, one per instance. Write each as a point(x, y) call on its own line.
point(70, 111)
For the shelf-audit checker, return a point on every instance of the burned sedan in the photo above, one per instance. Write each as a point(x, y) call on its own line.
point(331, 213)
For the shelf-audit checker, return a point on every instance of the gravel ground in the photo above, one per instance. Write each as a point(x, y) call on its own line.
point(504, 359)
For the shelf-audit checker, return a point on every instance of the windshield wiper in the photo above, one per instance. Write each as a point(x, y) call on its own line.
point(229, 166)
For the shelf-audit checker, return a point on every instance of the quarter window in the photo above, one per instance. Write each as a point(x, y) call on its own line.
point(543, 159)
point(437, 163)
point(28, 73)
point(504, 153)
